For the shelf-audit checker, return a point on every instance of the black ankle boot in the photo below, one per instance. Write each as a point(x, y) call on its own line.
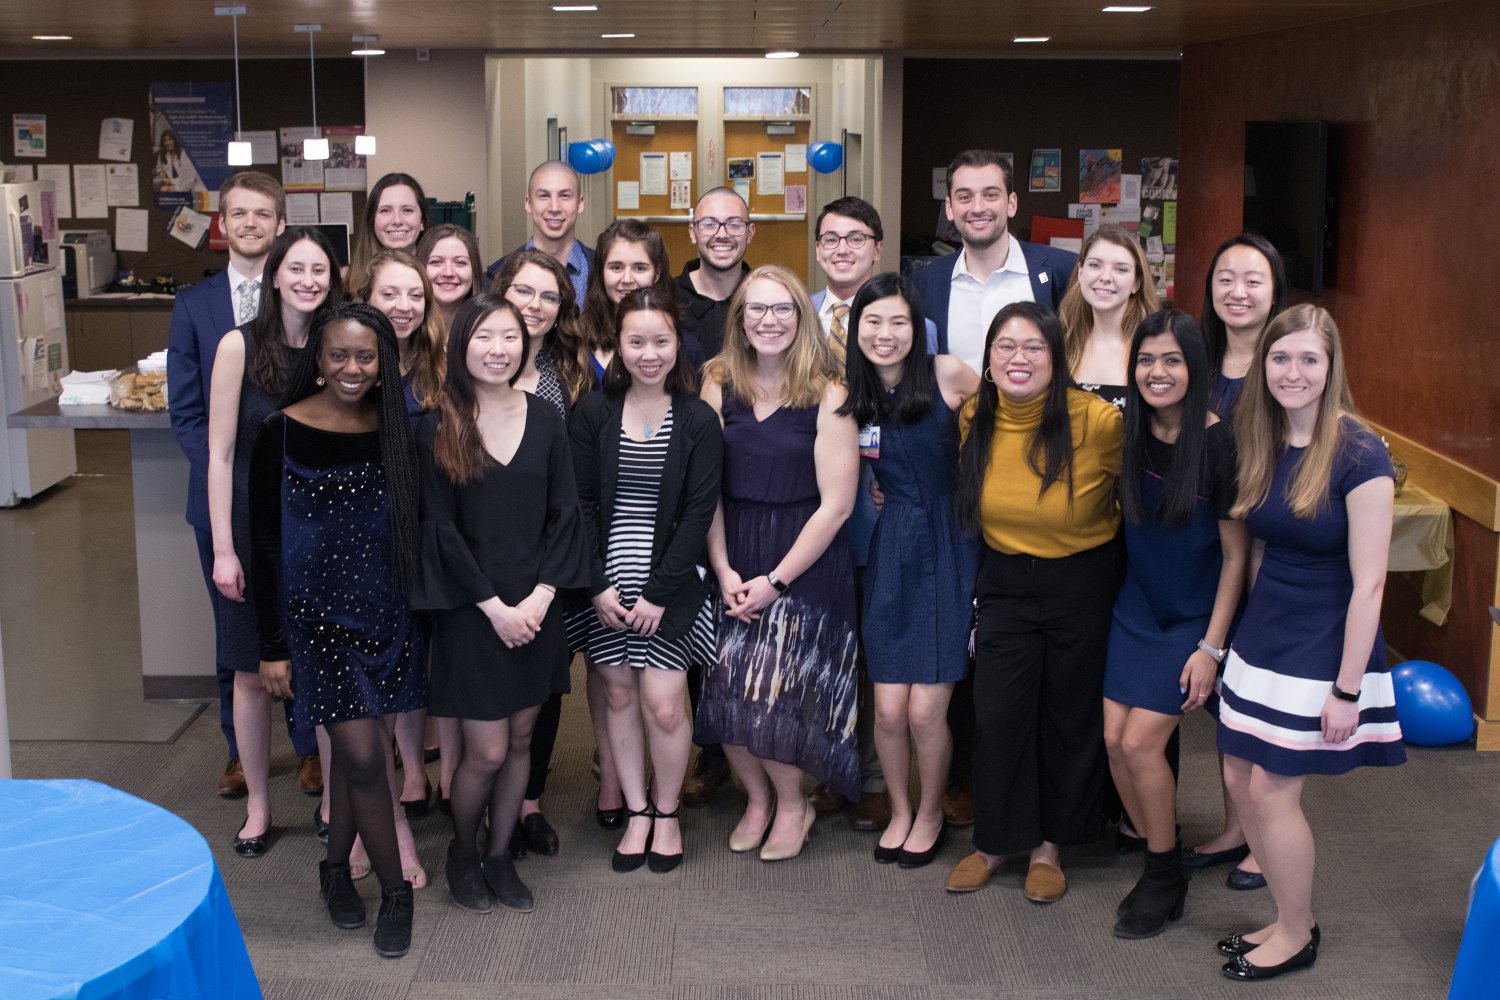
point(393, 925)
point(345, 907)
point(1157, 898)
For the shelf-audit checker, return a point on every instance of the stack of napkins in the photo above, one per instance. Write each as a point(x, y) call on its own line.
point(86, 388)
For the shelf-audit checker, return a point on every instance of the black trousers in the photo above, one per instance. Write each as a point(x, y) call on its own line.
point(1039, 765)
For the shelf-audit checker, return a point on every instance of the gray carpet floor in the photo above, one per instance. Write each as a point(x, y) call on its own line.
point(1397, 849)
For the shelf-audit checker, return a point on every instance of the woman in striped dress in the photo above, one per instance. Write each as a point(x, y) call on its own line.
point(1306, 689)
point(648, 455)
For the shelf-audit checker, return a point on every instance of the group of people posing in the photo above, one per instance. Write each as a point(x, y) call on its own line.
point(1010, 491)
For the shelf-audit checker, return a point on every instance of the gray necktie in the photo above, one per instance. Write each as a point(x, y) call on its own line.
point(247, 301)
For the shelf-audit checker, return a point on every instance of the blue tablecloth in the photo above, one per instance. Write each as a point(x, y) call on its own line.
point(105, 895)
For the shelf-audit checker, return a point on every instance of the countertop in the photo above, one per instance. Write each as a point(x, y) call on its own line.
point(101, 417)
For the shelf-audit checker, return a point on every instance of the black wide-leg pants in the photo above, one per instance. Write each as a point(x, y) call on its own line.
point(1039, 765)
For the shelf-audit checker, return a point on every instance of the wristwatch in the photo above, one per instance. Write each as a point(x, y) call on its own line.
point(1217, 654)
point(1343, 695)
point(772, 579)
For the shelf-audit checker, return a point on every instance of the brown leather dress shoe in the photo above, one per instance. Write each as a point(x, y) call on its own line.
point(826, 800)
point(1045, 883)
point(958, 803)
point(232, 781)
point(310, 775)
point(871, 812)
point(971, 874)
point(703, 781)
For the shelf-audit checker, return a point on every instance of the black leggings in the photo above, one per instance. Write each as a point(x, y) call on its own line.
point(359, 798)
point(492, 776)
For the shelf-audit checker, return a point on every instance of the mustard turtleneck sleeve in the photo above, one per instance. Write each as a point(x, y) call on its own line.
point(1017, 520)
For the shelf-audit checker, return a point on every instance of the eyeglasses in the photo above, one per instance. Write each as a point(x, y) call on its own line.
point(526, 293)
point(711, 227)
point(1033, 350)
point(831, 241)
point(781, 310)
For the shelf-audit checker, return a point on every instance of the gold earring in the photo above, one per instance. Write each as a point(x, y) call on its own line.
point(987, 376)
point(321, 381)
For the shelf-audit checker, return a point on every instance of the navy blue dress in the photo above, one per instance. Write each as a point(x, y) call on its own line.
point(783, 686)
point(919, 586)
point(1171, 580)
point(1286, 654)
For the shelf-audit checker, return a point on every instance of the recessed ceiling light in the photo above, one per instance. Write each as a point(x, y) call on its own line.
point(1023, 39)
point(51, 38)
point(619, 34)
point(782, 54)
point(576, 7)
point(1125, 10)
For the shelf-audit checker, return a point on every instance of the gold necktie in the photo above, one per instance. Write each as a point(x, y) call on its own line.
point(837, 339)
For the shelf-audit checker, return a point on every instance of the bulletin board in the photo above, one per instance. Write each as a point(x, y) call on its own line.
point(788, 243)
point(675, 136)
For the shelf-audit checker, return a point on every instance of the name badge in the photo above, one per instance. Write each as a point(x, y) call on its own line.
point(869, 441)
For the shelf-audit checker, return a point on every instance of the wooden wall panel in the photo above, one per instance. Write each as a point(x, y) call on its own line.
point(670, 137)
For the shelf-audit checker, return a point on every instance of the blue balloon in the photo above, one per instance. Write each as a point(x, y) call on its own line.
point(1432, 705)
point(585, 157)
point(825, 157)
point(606, 152)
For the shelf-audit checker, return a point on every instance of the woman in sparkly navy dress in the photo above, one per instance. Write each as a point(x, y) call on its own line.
point(334, 494)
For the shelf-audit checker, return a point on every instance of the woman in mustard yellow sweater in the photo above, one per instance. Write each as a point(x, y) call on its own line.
point(1037, 471)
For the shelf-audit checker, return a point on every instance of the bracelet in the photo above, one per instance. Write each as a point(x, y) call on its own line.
point(773, 581)
point(1217, 654)
point(1343, 695)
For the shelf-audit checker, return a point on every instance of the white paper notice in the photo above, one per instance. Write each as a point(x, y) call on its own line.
point(35, 351)
point(940, 183)
point(627, 196)
point(52, 307)
point(1088, 213)
point(1130, 190)
point(88, 191)
point(189, 227)
point(262, 146)
point(62, 184)
point(122, 184)
point(302, 210)
point(681, 165)
point(682, 194)
point(653, 173)
point(769, 175)
point(114, 139)
point(130, 230)
point(337, 208)
point(21, 173)
point(742, 188)
point(796, 158)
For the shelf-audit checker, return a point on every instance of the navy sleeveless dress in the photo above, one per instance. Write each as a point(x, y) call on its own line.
point(784, 686)
point(919, 586)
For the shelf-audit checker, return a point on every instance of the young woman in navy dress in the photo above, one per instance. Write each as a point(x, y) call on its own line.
point(1306, 689)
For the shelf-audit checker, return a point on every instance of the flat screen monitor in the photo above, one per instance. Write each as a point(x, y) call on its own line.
point(1289, 197)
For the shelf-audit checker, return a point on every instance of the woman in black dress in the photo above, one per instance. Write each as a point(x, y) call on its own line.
point(333, 493)
point(501, 535)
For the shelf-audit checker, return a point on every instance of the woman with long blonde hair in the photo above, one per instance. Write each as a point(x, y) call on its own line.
point(1111, 292)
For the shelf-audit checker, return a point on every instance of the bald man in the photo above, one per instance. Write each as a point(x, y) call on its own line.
point(554, 201)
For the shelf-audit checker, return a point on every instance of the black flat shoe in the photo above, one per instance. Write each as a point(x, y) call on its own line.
point(1243, 881)
point(919, 859)
point(1193, 859)
point(253, 847)
point(610, 819)
point(540, 837)
point(320, 827)
point(662, 863)
point(1235, 944)
point(417, 808)
point(510, 892)
point(622, 862)
point(516, 847)
point(886, 855)
point(1240, 968)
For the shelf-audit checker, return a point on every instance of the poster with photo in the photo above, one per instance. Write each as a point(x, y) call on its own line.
point(1158, 178)
point(191, 125)
point(1099, 176)
point(344, 170)
point(1046, 170)
point(298, 174)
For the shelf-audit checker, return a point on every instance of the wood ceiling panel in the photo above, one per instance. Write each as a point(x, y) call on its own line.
point(189, 27)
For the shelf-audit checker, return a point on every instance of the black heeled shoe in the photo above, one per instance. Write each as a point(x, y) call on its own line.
point(1235, 944)
point(319, 826)
point(918, 859)
point(417, 808)
point(662, 863)
point(610, 819)
point(1242, 969)
point(622, 862)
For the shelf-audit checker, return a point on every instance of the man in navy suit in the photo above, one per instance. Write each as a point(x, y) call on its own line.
point(554, 201)
point(962, 293)
point(252, 209)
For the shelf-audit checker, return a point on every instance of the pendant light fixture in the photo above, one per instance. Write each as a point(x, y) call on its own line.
point(317, 148)
point(239, 154)
point(364, 145)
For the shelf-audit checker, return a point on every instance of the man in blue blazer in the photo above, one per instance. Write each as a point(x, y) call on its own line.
point(963, 292)
point(252, 207)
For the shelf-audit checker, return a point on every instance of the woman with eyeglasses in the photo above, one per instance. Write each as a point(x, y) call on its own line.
point(781, 698)
point(557, 369)
point(1036, 477)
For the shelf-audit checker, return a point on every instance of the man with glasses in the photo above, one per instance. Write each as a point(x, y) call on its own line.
point(721, 231)
point(554, 201)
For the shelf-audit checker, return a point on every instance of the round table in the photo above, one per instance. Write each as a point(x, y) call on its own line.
point(106, 895)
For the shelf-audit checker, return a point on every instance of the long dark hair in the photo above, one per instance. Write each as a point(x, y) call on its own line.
point(1182, 480)
point(574, 368)
point(868, 400)
point(459, 450)
point(598, 322)
point(398, 445)
point(264, 359)
point(1050, 451)
point(1213, 327)
point(681, 380)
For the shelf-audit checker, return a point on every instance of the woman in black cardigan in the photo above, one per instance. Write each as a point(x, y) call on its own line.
point(648, 455)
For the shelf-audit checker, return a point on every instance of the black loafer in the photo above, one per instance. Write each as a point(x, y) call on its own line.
point(253, 847)
point(1244, 881)
point(1240, 968)
point(320, 827)
point(1235, 944)
point(540, 837)
point(1209, 859)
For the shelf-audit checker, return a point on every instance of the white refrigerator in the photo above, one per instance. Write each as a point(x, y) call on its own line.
point(33, 340)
